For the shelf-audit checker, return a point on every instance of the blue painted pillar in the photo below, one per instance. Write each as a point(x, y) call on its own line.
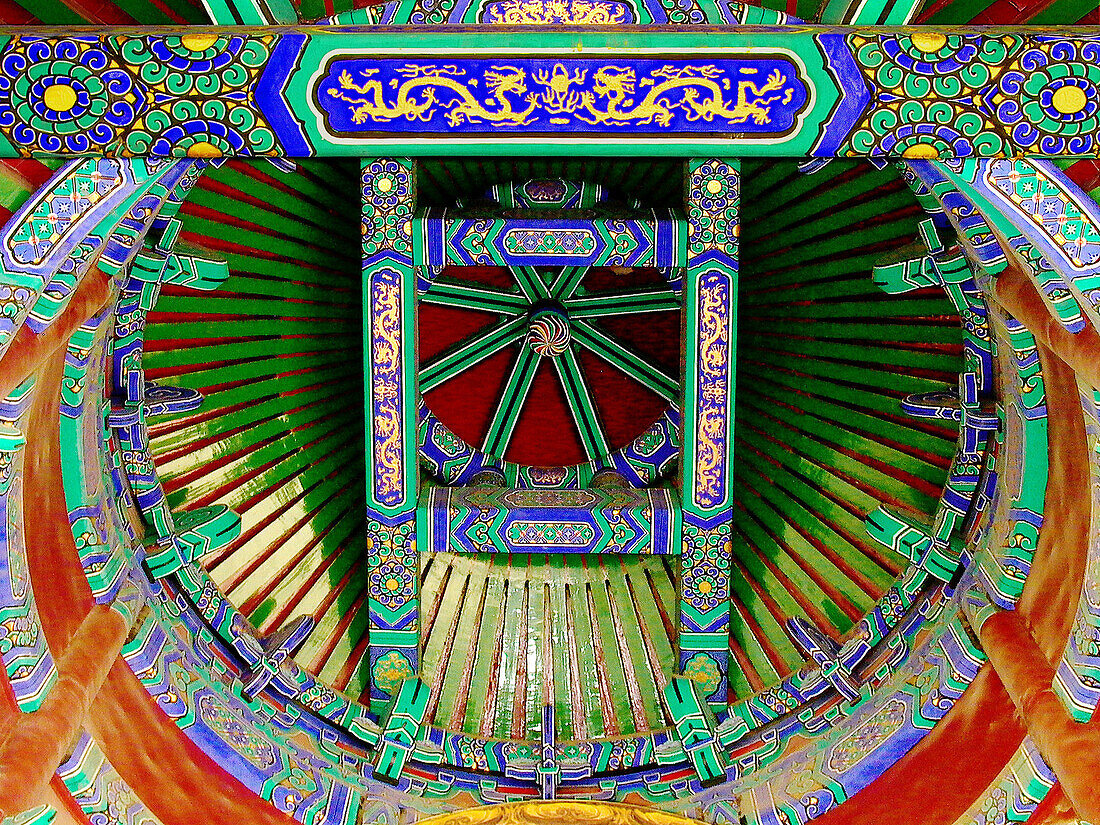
point(389, 355)
point(713, 200)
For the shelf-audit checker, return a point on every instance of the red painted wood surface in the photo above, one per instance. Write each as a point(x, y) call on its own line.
point(174, 778)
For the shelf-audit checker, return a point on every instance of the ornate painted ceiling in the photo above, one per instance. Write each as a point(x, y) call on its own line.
point(859, 672)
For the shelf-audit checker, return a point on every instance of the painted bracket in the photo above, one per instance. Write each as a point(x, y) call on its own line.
point(826, 653)
point(550, 766)
point(251, 12)
point(916, 539)
point(193, 534)
point(923, 263)
point(550, 193)
point(275, 650)
point(162, 263)
point(41, 815)
point(182, 538)
point(406, 717)
point(978, 418)
point(12, 441)
point(695, 728)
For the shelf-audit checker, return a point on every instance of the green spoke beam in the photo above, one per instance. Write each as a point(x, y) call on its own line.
point(530, 282)
point(470, 353)
point(511, 402)
point(464, 296)
point(581, 405)
point(623, 358)
point(251, 12)
point(567, 281)
point(623, 303)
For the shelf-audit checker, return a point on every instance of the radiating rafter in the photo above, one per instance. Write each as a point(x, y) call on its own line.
point(503, 422)
point(623, 358)
point(475, 350)
point(624, 302)
point(581, 405)
point(567, 281)
point(530, 281)
point(464, 296)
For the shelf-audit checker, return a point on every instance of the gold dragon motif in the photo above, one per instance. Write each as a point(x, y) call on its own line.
point(560, 97)
point(417, 96)
point(703, 96)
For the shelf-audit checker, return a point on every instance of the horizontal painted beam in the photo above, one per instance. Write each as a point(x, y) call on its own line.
point(652, 237)
point(501, 520)
point(805, 91)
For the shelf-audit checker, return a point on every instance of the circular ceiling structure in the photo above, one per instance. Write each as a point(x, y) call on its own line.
point(821, 442)
point(909, 420)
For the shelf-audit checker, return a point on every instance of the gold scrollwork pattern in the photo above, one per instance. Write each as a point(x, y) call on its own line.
point(712, 420)
point(388, 186)
point(386, 386)
point(564, 12)
point(713, 204)
point(572, 812)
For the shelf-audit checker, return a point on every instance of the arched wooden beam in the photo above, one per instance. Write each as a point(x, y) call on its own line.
point(29, 350)
point(982, 729)
point(174, 777)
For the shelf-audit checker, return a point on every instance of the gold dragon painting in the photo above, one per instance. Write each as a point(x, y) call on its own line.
point(615, 95)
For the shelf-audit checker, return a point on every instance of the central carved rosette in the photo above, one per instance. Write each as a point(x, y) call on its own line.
point(548, 330)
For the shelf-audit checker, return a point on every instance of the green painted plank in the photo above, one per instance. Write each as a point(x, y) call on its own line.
point(878, 381)
point(894, 332)
point(823, 519)
point(894, 355)
point(768, 670)
point(338, 524)
point(216, 304)
point(1060, 11)
point(274, 406)
point(587, 666)
point(755, 520)
point(259, 369)
point(52, 12)
point(287, 454)
point(276, 545)
point(832, 421)
point(180, 332)
point(469, 629)
point(563, 682)
point(847, 413)
point(620, 701)
point(631, 622)
point(439, 647)
point(271, 244)
point(500, 605)
point(238, 351)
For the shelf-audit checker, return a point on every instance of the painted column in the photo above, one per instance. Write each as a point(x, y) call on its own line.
point(389, 364)
point(710, 331)
point(33, 745)
point(1072, 749)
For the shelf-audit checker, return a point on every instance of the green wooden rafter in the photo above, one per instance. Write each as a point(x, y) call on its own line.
point(559, 286)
